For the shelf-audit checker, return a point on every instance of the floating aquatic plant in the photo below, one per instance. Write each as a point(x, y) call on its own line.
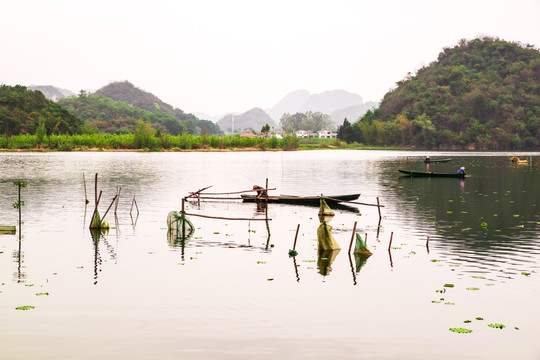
point(466, 321)
point(448, 285)
point(478, 277)
point(496, 326)
point(525, 273)
point(270, 279)
point(435, 301)
point(461, 330)
point(449, 303)
point(434, 260)
point(484, 224)
point(41, 294)
point(261, 262)
point(293, 252)
point(29, 285)
point(473, 288)
point(479, 318)
point(25, 307)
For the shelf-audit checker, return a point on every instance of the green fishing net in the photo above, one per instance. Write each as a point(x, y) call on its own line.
point(179, 225)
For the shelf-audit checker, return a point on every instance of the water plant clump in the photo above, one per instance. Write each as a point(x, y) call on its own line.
point(25, 307)
point(496, 326)
point(461, 330)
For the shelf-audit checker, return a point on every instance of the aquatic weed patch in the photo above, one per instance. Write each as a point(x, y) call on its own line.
point(496, 326)
point(461, 330)
point(25, 307)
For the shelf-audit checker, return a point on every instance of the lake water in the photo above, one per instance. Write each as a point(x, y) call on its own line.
point(232, 292)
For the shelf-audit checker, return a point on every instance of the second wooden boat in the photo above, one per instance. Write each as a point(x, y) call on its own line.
point(413, 173)
point(436, 160)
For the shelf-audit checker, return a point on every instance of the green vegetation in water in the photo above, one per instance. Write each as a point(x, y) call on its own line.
point(25, 307)
point(496, 326)
point(467, 321)
point(478, 277)
point(29, 285)
point(449, 303)
point(479, 318)
point(525, 273)
point(435, 301)
point(308, 260)
point(261, 262)
point(448, 285)
point(293, 253)
point(461, 330)
point(473, 288)
point(42, 294)
point(434, 260)
point(484, 224)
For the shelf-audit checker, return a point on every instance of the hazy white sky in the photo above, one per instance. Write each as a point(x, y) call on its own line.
point(217, 56)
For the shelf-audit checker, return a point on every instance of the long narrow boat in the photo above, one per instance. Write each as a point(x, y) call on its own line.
point(413, 173)
point(302, 200)
point(436, 160)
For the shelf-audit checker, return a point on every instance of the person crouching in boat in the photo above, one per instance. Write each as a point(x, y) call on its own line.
point(260, 192)
point(427, 159)
point(461, 170)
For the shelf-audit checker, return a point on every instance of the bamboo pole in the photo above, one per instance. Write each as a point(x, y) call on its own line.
point(427, 241)
point(349, 202)
point(390, 243)
point(136, 206)
point(95, 191)
point(352, 237)
point(225, 218)
point(237, 192)
point(266, 191)
point(365, 240)
point(103, 217)
point(296, 237)
point(118, 189)
point(85, 194)
point(379, 207)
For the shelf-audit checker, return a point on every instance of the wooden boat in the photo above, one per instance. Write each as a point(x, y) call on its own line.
point(413, 173)
point(302, 200)
point(436, 160)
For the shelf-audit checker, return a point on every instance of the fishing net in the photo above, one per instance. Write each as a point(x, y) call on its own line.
point(360, 247)
point(179, 225)
point(325, 213)
point(325, 239)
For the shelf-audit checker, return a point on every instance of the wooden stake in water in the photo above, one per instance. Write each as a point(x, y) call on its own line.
point(296, 237)
point(352, 237)
point(85, 194)
point(390, 244)
point(379, 207)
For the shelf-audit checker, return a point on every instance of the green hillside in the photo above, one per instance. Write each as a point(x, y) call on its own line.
point(483, 94)
point(117, 107)
point(24, 111)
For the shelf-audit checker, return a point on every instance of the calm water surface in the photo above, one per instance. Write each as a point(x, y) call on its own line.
point(232, 292)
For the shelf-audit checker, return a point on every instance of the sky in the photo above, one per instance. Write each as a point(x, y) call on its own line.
point(222, 56)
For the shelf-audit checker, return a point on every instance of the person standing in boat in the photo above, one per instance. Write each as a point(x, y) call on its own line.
point(461, 170)
point(261, 193)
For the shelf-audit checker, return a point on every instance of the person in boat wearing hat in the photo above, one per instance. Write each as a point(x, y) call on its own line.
point(260, 192)
point(461, 170)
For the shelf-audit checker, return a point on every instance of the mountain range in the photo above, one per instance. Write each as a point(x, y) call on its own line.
point(339, 104)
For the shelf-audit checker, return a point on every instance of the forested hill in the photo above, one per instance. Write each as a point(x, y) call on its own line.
point(482, 94)
point(24, 111)
point(103, 114)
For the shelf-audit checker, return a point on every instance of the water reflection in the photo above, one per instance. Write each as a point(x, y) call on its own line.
point(325, 258)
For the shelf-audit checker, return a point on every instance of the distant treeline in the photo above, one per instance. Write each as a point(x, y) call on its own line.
point(144, 138)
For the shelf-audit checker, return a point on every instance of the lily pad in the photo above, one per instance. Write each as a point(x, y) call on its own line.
point(525, 273)
point(461, 330)
point(448, 285)
point(42, 293)
point(496, 326)
point(25, 307)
